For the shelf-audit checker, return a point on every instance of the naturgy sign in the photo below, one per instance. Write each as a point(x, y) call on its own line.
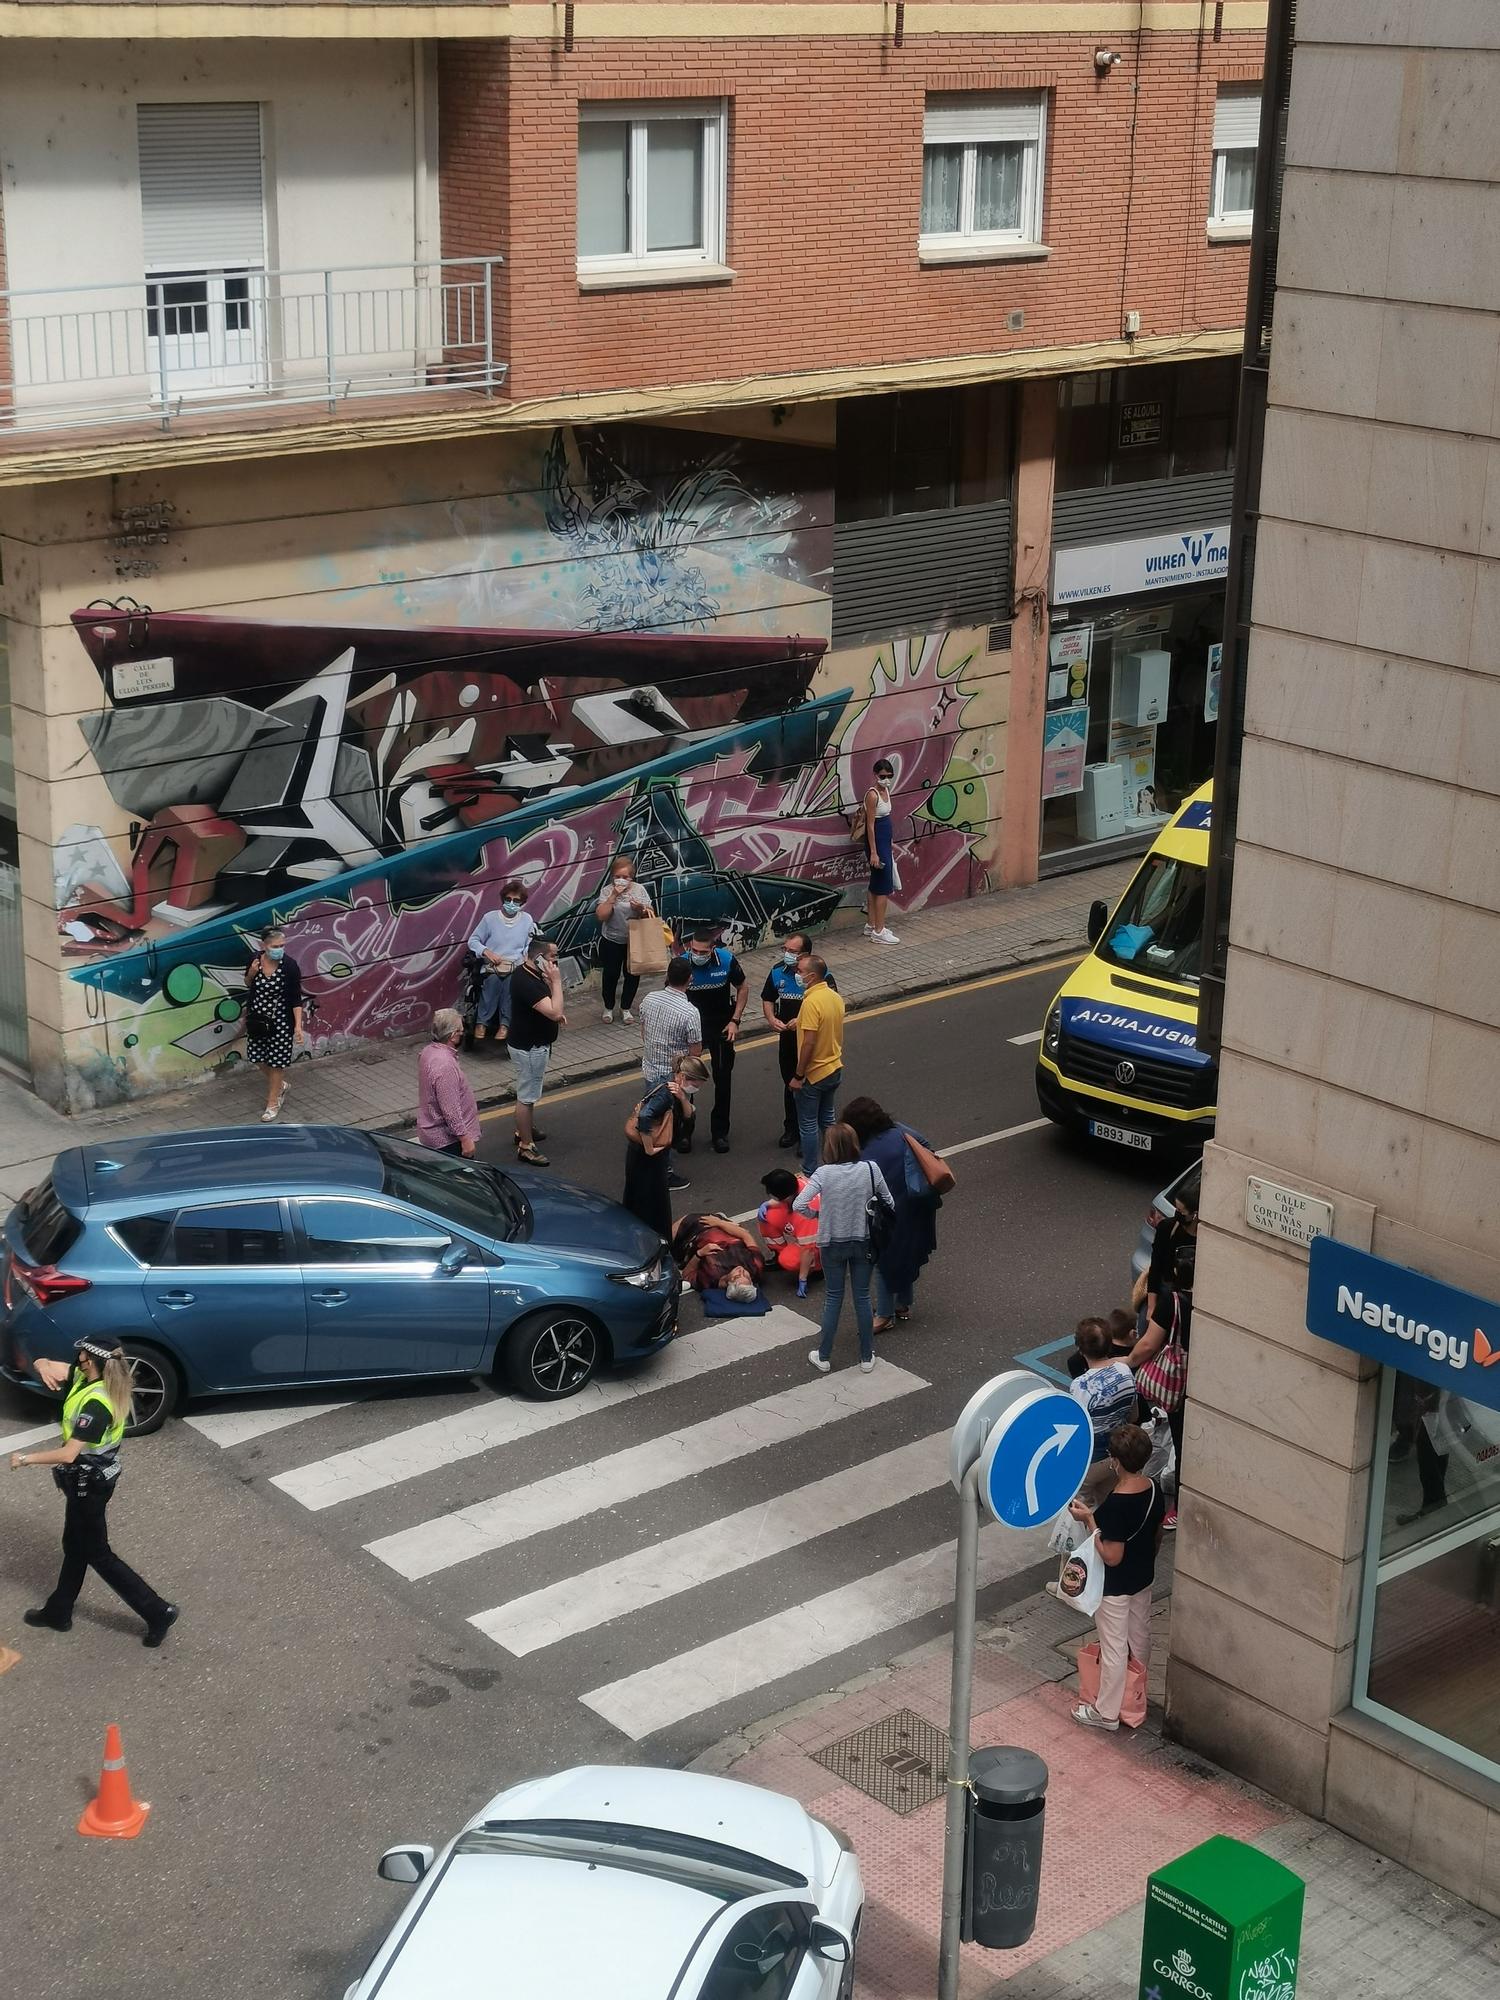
point(1405, 1320)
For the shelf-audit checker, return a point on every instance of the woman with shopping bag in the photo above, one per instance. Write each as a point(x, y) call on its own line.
point(1127, 1530)
point(918, 1179)
point(1160, 1356)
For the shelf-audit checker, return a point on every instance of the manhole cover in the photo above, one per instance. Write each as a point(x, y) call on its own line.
point(901, 1761)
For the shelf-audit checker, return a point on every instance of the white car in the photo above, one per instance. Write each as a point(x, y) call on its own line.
point(638, 1884)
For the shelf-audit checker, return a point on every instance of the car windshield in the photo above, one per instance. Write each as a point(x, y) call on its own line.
point(1158, 928)
point(468, 1193)
point(726, 1872)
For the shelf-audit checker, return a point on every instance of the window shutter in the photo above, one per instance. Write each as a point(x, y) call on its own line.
point(201, 197)
point(958, 119)
point(1236, 119)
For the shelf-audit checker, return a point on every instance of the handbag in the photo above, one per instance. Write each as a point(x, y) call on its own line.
point(936, 1172)
point(879, 1216)
point(1080, 1580)
point(646, 950)
point(1163, 1379)
point(1133, 1702)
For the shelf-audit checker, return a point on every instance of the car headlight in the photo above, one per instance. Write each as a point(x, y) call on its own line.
point(643, 1279)
point(1052, 1033)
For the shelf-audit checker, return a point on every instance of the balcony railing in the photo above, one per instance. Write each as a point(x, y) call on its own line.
point(185, 344)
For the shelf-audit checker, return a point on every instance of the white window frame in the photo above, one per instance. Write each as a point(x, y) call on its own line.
point(713, 115)
point(1229, 123)
point(988, 118)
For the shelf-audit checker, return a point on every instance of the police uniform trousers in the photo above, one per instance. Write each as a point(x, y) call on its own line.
point(86, 1547)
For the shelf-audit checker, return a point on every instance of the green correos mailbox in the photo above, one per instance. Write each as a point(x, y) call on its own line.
point(1223, 1922)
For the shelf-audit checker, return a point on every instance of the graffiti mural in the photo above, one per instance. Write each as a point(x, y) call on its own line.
point(369, 773)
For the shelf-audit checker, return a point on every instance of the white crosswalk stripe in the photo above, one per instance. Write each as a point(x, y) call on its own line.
point(624, 1476)
point(18, 1440)
point(446, 1441)
point(231, 1427)
point(643, 1703)
point(649, 1576)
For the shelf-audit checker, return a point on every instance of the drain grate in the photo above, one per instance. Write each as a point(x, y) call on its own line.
point(900, 1761)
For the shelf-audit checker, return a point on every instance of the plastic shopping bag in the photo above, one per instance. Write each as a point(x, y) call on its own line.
point(1080, 1581)
point(1162, 1464)
point(1067, 1532)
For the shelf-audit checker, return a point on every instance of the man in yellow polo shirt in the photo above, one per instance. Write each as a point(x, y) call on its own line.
point(820, 1058)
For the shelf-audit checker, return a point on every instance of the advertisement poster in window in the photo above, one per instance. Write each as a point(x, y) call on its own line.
point(1211, 684)
point(1068, 654)
point(1134, 750)
point(1140, 424)
point(1064, 739)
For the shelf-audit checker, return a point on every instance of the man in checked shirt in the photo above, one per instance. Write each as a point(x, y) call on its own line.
point(447, 1115)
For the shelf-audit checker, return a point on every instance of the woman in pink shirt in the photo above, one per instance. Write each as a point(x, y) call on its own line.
point(447, 1115)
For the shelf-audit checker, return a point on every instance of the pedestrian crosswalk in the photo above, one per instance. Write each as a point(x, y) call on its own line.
point(679, 1549)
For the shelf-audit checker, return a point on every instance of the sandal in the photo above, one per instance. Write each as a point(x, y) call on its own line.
point(881, 1325)
point(530, 1157)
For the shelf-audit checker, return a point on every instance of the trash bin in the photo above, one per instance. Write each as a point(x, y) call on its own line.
point(1006, 1806)
point(1223, 1922)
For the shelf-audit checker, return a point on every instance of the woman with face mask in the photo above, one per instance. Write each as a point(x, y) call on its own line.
point(500, 943)
point(648, 1143)
point(622, 900)
point(879, 838)
point(273, 993)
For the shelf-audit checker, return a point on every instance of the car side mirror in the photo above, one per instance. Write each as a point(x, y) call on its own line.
point(1098, 918)
point(454, 1258)
point(404, 1864)
point(829, 1942)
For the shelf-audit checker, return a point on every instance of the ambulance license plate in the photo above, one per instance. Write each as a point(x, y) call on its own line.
point(1140, 1140)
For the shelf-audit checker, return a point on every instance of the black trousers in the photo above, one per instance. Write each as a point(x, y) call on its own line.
point(1432, 1469)
point(786, 1057)
point(721, 1061)
point(612, 959)
point(86, 1547)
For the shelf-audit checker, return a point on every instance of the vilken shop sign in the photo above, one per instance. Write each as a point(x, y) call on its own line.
point(1154, 562)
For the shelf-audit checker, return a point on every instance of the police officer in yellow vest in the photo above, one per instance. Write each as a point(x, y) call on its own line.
point(86, 1466)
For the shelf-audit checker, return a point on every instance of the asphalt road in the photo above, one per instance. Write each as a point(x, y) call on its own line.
point(655, 1565)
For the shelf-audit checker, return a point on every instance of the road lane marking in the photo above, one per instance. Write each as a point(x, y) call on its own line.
point(230, 1427)
point(748, 1660)
point(18, 1440)
point(1024, 1041)
point(388, 1461)
point(624, 1476)
point(647, 1577)
point(622, 1078)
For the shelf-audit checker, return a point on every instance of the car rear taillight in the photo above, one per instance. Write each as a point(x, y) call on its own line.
point(44, 1283)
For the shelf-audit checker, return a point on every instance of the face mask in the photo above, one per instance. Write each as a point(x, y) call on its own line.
point(790, 957)
point(689, 1090)
point(622, 884)
point(275, 951)
point(511, 907)
point(700, 957)
point(882, 777)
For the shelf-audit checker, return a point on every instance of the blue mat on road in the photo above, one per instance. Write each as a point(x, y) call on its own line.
point(717, 1306)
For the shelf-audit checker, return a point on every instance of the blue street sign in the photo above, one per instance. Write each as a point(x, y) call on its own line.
point(1035, 1458)
point(1405, 1319)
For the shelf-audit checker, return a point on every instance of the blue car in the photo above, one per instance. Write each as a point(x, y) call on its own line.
point(247, 1258)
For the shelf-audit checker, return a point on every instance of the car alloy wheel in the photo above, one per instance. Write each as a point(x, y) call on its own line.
point(563, 1359)
point(157, 1387)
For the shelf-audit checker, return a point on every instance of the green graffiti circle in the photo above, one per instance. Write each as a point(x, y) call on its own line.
point(944, 802)
point(227, 1010)
point(132, 1041)
point(184, 985)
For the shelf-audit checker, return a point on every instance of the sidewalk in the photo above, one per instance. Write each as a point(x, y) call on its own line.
point(375, 1087)
point(1117, 1808)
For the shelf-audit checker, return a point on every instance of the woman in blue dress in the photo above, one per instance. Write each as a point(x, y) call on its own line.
point(913, 1236)
point(878, 832)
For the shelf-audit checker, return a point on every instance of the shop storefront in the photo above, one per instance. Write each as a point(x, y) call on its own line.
point(1429, 1627)
point(1140, 539)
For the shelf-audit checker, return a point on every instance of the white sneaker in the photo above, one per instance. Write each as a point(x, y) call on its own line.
point(885, 936)
point(1089, 1716)
point(609, 1014)
point(866, 1366)
point(627, 1017)
point(868, 932)
point(819, 1363)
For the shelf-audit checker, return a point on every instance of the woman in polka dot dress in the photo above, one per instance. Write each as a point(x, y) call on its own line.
point(273, 989)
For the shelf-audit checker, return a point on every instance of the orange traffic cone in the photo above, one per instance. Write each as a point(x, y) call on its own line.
point(113, 1814)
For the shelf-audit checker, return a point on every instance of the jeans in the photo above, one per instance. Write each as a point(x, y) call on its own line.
point(612, 960)
point(887, 1302)
point(816, 1111)
point(851, 1260)
point(494, 1001)
point(86, 1546)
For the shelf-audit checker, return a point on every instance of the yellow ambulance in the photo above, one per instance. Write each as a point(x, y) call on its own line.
point(1119, 1056)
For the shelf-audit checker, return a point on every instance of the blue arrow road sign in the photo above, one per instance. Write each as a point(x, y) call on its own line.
point(1035, 1459)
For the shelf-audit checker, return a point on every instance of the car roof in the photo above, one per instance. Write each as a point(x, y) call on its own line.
point(167, 1166)
point(539, 1924)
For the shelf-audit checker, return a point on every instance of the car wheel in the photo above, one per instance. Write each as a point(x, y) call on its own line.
point(552, 1354)
point(158, 1388)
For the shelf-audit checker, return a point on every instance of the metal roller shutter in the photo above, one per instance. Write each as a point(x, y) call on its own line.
point(925, 572)
point(202, 200)
point(1236, 117)
point(957, 119)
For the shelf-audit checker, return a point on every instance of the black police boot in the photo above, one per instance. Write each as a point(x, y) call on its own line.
point(43, 1617)
point(158, 1627)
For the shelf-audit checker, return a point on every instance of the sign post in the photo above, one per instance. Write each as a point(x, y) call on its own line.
point(1019, 1449)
